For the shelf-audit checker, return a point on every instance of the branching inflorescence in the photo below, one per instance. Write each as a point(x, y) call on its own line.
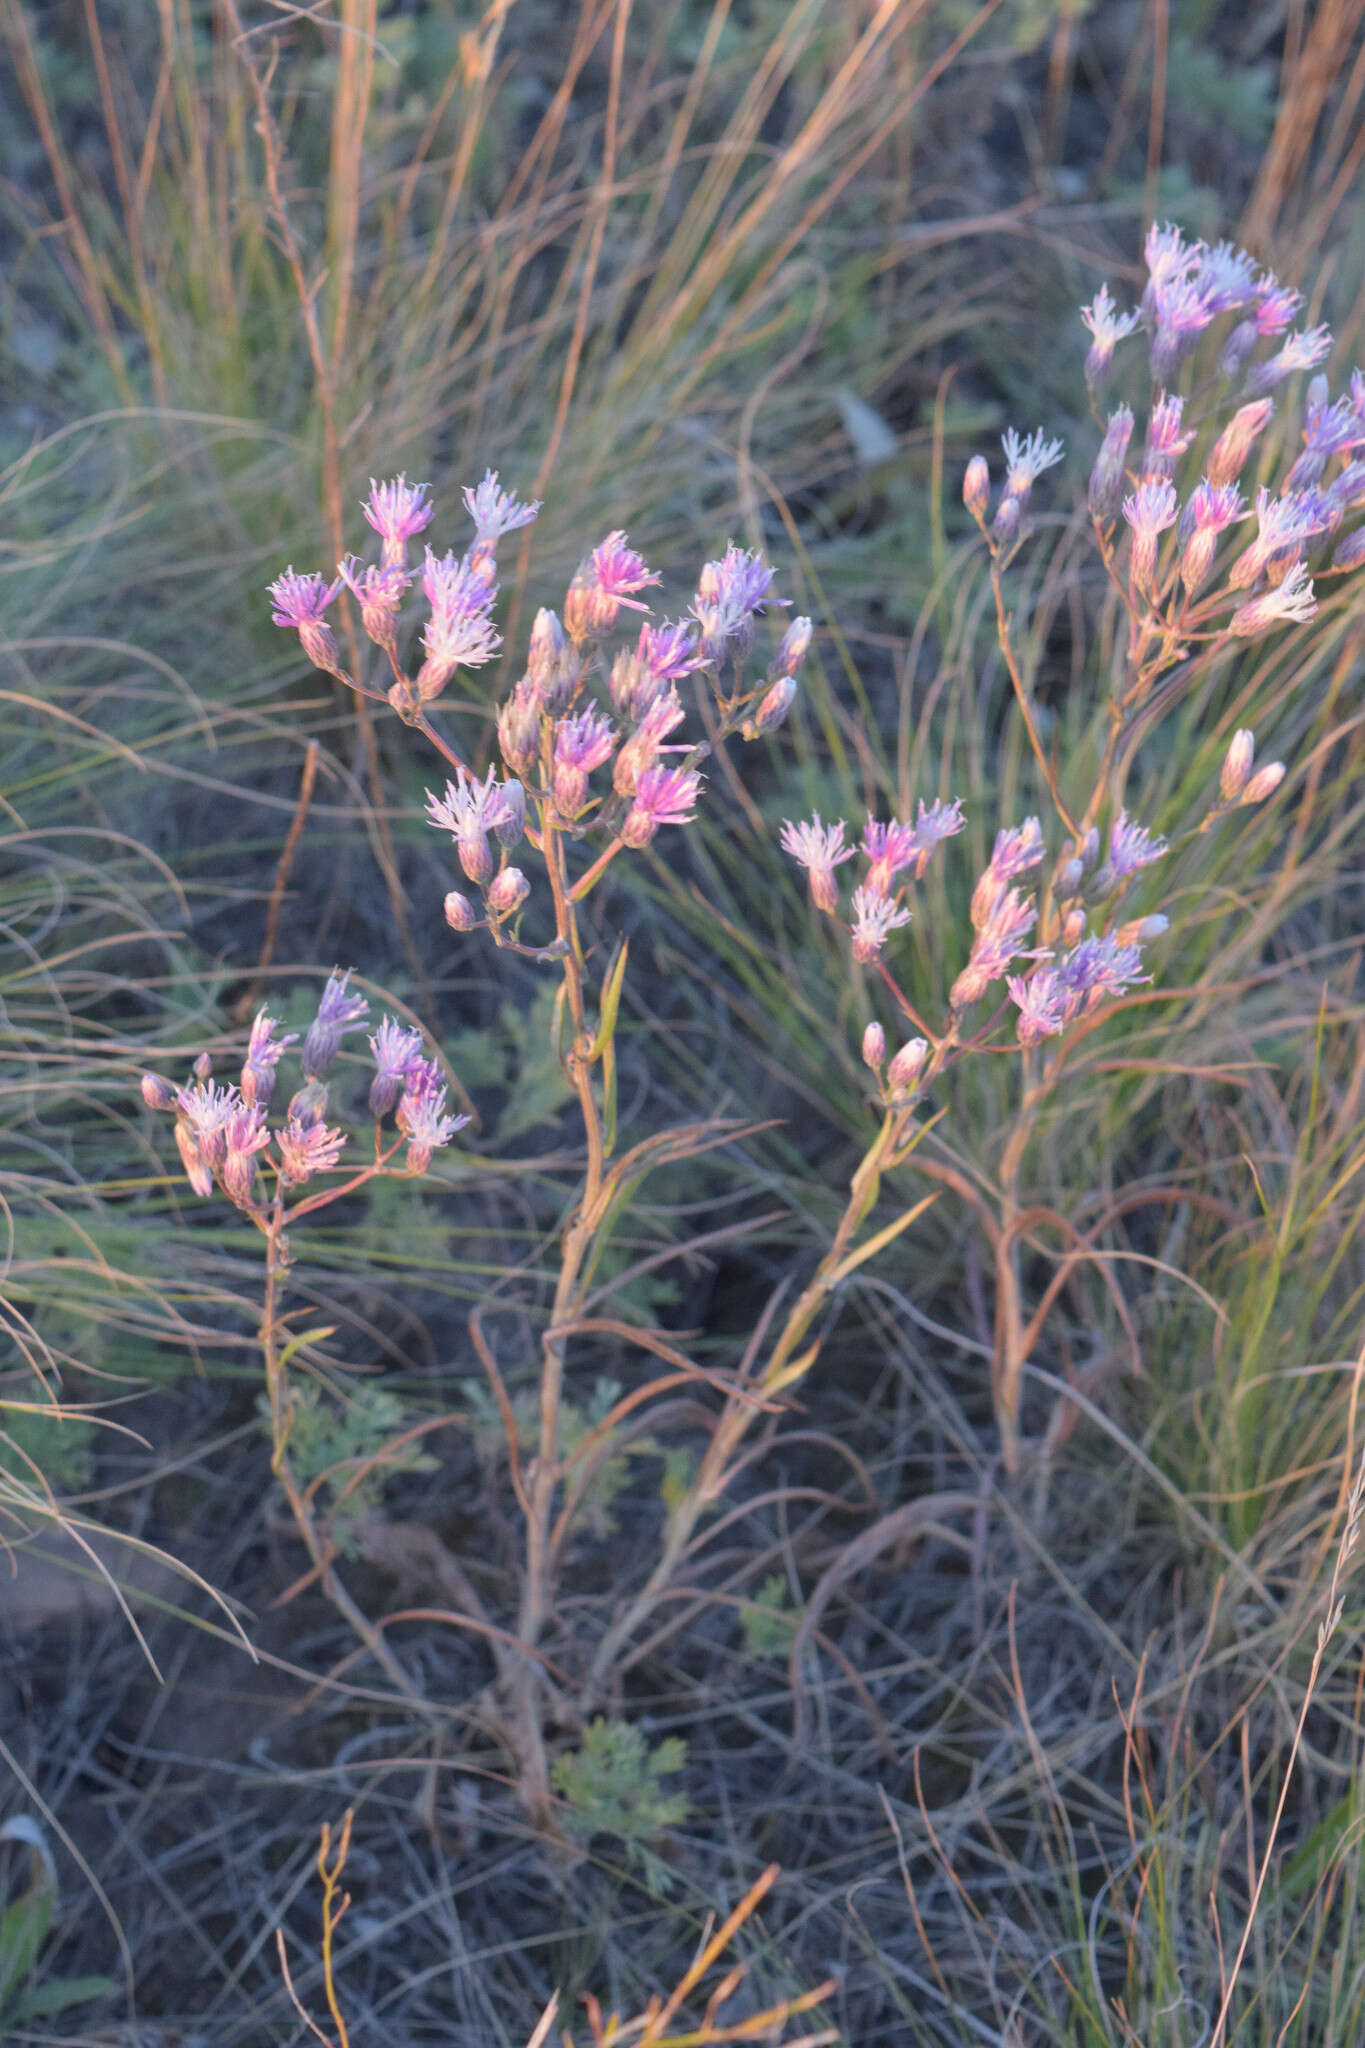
point(597, 760)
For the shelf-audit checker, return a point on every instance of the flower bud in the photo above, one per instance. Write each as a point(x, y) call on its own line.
point(1227, 457)
point(239, 1179)
point(1196, 559)
point(519, 726)
point(309, 1105)
point(976, 487)
point(1069, 877)
point(1005, 525)
point(1105, 493)
point(1264, 783)
point(1073, 926)
point(906, 1067)
point(156, 1093)
point(772, 709)
point(1237, 766)
point(506, 893)
point(792, 650)
point(509, 821)
point(546, 650)
point(460, 913)
point(1141, 929)
point(1350, 553)
point(203, 1068)
point(1237, 348)
point(475, 856)
point(192, 1159)
point(874, 1048)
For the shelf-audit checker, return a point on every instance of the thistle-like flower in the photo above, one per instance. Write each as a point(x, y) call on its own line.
point(604, 583)
point(976, 487)
point(999, 939)
point(263, 1054)
point(820, 850)
point(1303, 351)
point(581, 744)
point(205, 1108)
point(1228, 455)
point(396, 512)
point(459, 632)
point(1165, 442)
point(663, 796)
point(729, 593)
point(395, 1047)
point(339, 1011)
point(379, 593)
point(1149, 511)
point(1026, 460)
point(875, 917)
point(1131, 848)
point(1211, 509)
point(300, 603)
point(469, 811)
point(1284, 524)
point(645, 744)
point(306, 1149)
point(1289, 603)
point(495, 511)
point(1107, 327)
point(421, 1115)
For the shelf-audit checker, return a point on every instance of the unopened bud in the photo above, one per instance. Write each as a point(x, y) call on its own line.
point(1105, 493)
point(156, 1093)
point(239, 1179)
point(309, 1105)
point(1227, 457)
point(1264, 783)
point(906, 1067)
point(1237, 765)
point(507, 892)
point(1318, 392)
point(1142, 929)
point(460, 913)
point(1237, 348)
point(976, 487)
point(1005, 525)
point(1350, 553)
point(546, 649)
point(772, 709)
point(1196, 559)
point(874, 1048)
point(519, 727)
point(203, 1068)
point(1069, 877)
point(475, 856)
point(509, 822)
point(792, 650)
point(1073, 926)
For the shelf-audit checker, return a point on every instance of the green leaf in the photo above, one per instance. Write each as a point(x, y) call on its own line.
point(59, 1994)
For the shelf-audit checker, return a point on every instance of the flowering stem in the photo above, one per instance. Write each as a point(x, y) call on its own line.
point(592, 875)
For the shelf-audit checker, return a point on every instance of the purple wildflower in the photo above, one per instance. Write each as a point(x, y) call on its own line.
point(519, 727)
point(669, 652)
point(506, 893)
point(197, 1170)
point(1041, 1003)
point(729, 593)
point(495, 511)
point(642, 749)
point(396, 512)
point(606, 582)
point(875, 917)
point(469, 811)
point(459, 633)
point(907, 1064)
point(1302, 351)
point(1026, 460)
point(663, 796)
point(394, 1048)
point(206, 1108)
point(1226, 277)
point(999, 939)
point(306, 1149)
point(1182, 312)
point(1276, 305)
point(1284, 524)
point(1289, 603)
point(1168, 257)
point(820, 850)
point(299, 603)
point(263, 1054)
point(1149, 511)
point(422, 1115)
point(1211, 509)
point(156, 1093)
point(1096, 968)
point(1131, 848)
point(1165, 442)
point(581, 744)
point(1107, 327)
point(339, 1011)
point(379, 593)
point(976, 487)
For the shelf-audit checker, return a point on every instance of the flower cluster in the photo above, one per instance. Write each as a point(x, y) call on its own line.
point(890, 849)
point(222, 1132)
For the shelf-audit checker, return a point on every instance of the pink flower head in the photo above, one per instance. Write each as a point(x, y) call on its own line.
point(495, 511)
point(1026, 460)
point(1108, 327)
point(306, 1149)
point(875, 917)
point(729, 593)
point(606, 582)
point(206, 1108)
point(263, 1054)
point(1211, 508)
point(1165, 442)
point(1284, 524)
point(339, 1011)
point(1228, 455)
point(1302, 351)
point(1289, 603)
point(663, 796)
point(1226, 277)
point(422, 1115)
point(581, 744)
point(396, 512)
point(820, 850)
point(1041, 1003)
point(1017, 849)
point(1096, 968)
point(1327, 430)
point(645, 744)
point(669, 652)
point(1168, 256)
point(244, 1135)
point(459, 633)
point(999, 939)
point(394, 1048)
point(1182, 313)
point(379, 593)
point(889, 848)
point(299, 603)
point(469, 811)
point(1131, 848)
point(1276, 305)
point(1149, 511)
